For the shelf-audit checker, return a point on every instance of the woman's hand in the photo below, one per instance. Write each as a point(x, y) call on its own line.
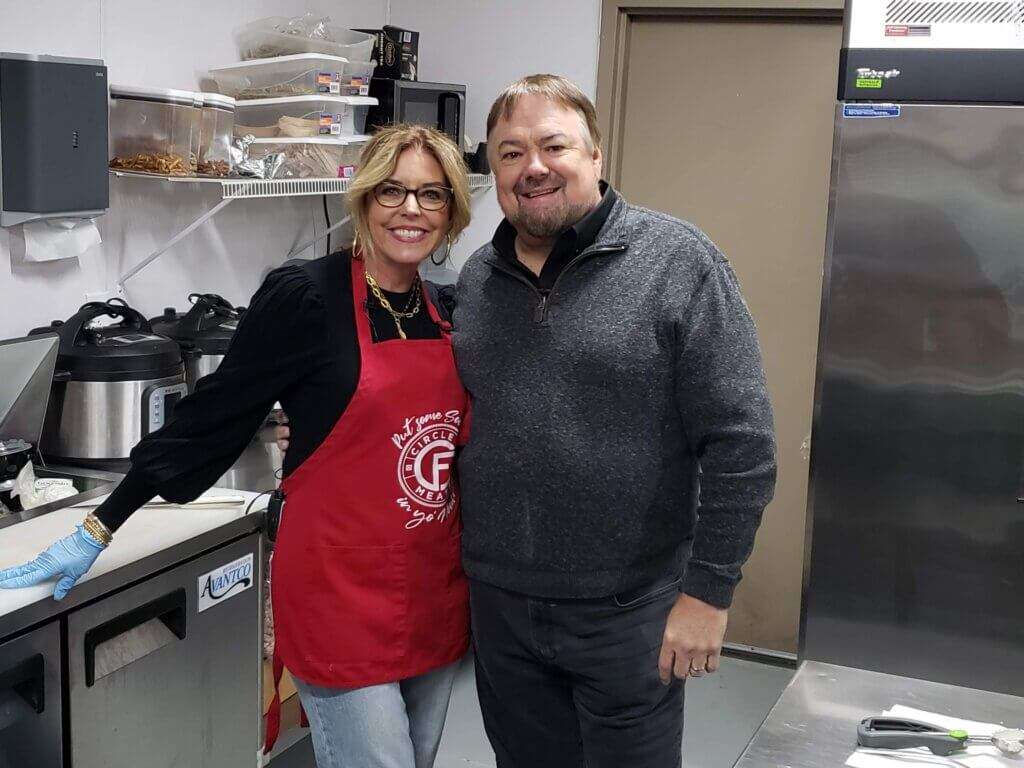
point(69, 558)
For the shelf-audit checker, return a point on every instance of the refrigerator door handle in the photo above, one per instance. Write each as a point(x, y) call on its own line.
point(26, 679)
point(169, 609)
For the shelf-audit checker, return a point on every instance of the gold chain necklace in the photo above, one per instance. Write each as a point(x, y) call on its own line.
point(396, 315)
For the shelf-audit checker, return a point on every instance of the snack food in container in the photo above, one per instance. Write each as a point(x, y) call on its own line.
point(154, 130)
point(216, 128)
point(301, 74)
point(281, 36)
point(309, 157)
point(329, 115)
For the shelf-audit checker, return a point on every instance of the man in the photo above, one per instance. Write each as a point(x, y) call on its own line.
point(621, 450)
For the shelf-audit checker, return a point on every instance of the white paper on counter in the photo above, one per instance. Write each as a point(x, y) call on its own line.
point(148, 531)
point(54, 239)
point(975, 756)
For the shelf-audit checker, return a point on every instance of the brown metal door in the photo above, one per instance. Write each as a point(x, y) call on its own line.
point(727, 122)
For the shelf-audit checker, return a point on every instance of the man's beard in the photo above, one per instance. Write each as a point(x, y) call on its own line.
point(550, 222)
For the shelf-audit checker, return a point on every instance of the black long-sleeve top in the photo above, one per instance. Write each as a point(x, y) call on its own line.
point(297, 345)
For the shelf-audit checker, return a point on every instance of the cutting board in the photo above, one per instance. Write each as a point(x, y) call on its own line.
point(148, 531)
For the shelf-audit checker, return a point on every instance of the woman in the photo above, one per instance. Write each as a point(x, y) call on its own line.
point(370, 602)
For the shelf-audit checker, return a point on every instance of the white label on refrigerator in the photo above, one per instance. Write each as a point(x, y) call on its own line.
point(225, 582)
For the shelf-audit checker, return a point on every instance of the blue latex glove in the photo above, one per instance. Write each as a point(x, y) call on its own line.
point(68, 558)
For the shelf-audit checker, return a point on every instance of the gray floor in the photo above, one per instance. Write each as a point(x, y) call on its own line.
point(722, 712)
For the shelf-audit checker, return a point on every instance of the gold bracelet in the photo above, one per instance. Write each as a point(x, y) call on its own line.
point(95, 528)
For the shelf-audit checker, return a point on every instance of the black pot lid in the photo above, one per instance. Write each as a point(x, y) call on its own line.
point(128, 348)
point(206, 329)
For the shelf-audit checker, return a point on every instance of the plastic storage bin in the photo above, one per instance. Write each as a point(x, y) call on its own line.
point(154, 130)
point(311, 158)
point(356, 75)
point(265, 38)
point(302, 74)
point(216, 129)
point(303, 115)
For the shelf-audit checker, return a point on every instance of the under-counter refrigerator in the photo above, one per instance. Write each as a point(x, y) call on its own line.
point(916, 526)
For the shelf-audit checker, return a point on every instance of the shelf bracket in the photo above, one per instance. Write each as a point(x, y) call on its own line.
point(119, 286)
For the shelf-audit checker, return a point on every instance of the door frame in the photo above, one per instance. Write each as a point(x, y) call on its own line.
point(617, 19)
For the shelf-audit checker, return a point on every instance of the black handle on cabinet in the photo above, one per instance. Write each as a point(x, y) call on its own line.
point(26, 679)
point(170, 609)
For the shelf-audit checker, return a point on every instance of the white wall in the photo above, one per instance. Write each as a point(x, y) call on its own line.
point(169, 44)
point(487, 44)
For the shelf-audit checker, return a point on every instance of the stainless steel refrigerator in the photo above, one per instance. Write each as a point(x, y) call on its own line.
point(915, 556)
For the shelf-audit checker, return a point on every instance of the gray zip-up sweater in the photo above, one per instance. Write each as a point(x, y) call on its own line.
point(593, 408)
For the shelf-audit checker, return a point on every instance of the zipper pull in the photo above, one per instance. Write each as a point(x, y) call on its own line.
point(540, 313)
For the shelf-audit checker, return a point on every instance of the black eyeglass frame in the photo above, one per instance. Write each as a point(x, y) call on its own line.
point(416, 192)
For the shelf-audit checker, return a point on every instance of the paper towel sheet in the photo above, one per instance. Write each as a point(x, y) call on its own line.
point(53, 239)
point(975, 756)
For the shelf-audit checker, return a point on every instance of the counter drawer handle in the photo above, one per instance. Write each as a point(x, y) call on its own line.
point(170, 609)
point(26, 679)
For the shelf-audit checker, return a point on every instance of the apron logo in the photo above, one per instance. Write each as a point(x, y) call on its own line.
point(427, 455)
point(425, 464)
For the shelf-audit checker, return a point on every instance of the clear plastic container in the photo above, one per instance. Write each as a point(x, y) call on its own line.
point(154, 130)
point(216, 129)
point(312, 158)
point(356, 75)
point(266, 38)
point(303, 116)
point(302, 74)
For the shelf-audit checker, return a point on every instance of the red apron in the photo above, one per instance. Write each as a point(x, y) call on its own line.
point(367, 583)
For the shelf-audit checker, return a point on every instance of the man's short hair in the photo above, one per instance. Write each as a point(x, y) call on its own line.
point(559, 89)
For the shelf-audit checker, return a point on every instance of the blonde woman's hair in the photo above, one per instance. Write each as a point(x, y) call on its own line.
point(378, 161)
point(558, 89)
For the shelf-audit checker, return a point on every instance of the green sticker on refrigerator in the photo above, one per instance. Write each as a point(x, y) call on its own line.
point(868, 82)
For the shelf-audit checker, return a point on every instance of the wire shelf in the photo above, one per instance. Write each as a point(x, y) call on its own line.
point(239, 189)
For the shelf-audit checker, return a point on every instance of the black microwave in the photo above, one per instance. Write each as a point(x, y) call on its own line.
point(440, 105)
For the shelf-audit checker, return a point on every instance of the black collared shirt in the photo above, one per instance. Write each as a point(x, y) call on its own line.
point(568, 246)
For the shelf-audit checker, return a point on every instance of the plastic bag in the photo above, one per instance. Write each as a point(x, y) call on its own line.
point(35, 492)
point(309, 26)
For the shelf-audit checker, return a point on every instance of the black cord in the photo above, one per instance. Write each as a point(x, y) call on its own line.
point(327, 218)
point(256, 498)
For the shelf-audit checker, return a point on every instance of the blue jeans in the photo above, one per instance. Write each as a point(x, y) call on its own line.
point(395, 725)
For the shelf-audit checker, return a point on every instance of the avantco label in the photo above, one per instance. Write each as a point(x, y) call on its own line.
point(225, 582)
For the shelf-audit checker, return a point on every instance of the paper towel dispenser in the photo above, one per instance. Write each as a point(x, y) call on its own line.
point(53, 138)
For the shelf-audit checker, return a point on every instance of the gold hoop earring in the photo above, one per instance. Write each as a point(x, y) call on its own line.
point(447, 253)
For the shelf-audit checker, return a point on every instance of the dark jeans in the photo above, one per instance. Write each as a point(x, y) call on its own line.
point(574, 683)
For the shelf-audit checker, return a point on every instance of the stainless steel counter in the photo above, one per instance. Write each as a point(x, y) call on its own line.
point(814, 722)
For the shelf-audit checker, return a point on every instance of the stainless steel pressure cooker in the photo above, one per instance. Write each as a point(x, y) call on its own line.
point(114, 384)
point(204, 333)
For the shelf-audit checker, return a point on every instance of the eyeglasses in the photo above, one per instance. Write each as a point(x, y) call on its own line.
point(391, 194)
